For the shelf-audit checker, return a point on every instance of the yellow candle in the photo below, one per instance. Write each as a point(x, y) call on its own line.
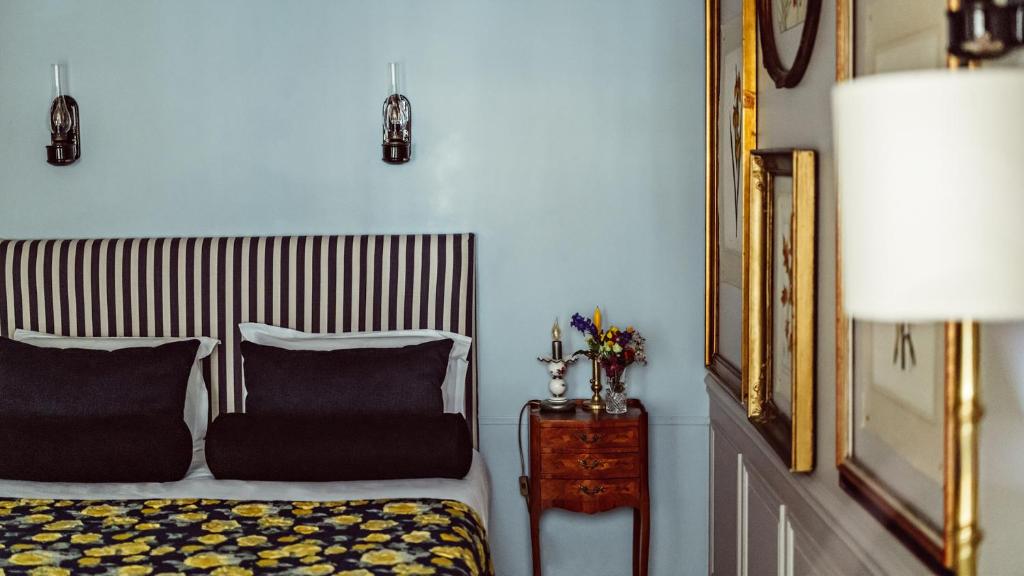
point(597, 318)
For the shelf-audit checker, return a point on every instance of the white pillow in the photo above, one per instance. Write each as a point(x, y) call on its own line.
point(453, 389)
point(197, 399)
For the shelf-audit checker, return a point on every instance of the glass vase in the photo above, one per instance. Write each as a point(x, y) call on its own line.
point(615, 399)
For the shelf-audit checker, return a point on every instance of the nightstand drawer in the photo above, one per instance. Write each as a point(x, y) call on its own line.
point(590, 465)
point(592, 439)
point(586, 495)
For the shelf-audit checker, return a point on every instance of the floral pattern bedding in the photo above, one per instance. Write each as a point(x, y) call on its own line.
point(225, 538)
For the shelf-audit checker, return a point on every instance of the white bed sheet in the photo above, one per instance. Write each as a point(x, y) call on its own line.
point(473, 490)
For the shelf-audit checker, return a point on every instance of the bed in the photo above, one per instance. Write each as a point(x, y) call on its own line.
point(206, 287)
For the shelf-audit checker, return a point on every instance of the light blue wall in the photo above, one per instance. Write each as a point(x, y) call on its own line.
point(568, 134)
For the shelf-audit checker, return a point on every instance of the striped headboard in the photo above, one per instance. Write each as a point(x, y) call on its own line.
point(206, 286)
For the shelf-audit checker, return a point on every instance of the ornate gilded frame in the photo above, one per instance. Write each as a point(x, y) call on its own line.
point(790, 435)
point(724, 371)
point(954, 548)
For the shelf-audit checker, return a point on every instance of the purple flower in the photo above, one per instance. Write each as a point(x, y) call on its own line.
point(584, 325)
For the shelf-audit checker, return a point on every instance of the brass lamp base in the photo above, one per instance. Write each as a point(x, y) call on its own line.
point(596, 403)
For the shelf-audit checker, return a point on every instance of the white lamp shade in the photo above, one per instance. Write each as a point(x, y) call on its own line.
point(930, 172)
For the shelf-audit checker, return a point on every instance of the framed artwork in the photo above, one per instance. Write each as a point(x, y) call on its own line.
point(780, 326)
point(778, 16)
point(731, 100)
point(899, 386)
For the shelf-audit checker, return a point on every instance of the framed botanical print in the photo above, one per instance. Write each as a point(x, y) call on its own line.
point(780, 326)
point(731, 100)
point(897, 384)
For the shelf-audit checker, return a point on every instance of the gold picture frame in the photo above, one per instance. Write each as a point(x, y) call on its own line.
point(952, 546)
point(727, 371)
point(780, 303)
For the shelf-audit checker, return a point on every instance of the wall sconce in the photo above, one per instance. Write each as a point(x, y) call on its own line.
point(397, 144)
point(65, 145)
point(985, 29)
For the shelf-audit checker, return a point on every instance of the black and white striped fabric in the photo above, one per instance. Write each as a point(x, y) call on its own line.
point(207, 286)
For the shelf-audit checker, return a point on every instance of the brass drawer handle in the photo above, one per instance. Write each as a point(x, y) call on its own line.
point(588, 438)
point(584, 489)
point(590, 464)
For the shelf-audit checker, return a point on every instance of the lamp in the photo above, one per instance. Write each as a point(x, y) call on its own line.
point(397, 144)
point(65, 133)
point(932, 190)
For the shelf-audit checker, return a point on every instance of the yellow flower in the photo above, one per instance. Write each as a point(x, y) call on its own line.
point(347, 519)
point(266, 563)
point(101, 510)
point(38, 518)
point(190, 517)
point(184, 501)
point(119, 521)
point(334, 550)
point(359, 572)
point(316, 570)
point(192, 548)
point(46, 537)
point(442, 562)
point(134, 570)
point(363, 547)
point(147, 526)
point(310, 559)
point(220, 525)
point(378, 524)
point(300, 550)
point(273, 554)
point(207, 560)
point(212, 539)
point(450, 538)
point(231, 571)
point(413, 570)
point(275, 522)
point(251, 510)
point(432, 519)
point(384, 557)
point(306, 529)
point(88, 561)
point(301, 512)
point(402, 508)
point(252, 540)
point(157, 503)
point(34, 502)
point(377, 537)
point(133, 559)
point(49, 571)
point(417, 537)
point(63, 525)
point(119, 549)
point(453, 552)
point(33, 558)
point(85, 538)
point(160, 551)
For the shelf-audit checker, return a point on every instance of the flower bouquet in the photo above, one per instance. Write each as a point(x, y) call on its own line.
point(614, 349)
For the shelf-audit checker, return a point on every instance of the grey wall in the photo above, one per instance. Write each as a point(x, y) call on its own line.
point(568, 135)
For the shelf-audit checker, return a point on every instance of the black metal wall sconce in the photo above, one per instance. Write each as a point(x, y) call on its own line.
point(65, 135)
point(397, 145)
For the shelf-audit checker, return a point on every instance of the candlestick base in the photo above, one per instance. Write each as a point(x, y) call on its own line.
point(596, 403)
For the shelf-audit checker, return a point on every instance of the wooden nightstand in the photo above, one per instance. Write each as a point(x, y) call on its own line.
point(591, 462)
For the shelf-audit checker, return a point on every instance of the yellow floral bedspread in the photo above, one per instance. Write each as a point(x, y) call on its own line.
point(225, 538)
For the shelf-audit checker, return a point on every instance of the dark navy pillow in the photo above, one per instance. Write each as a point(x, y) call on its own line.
point(327, 449)
point(78, 383)
point(349, 382)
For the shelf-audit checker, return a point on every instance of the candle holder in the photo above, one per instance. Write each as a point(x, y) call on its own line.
point(557, 402)
point(596, 403)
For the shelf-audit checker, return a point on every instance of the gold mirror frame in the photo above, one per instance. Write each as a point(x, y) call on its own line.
point(792, 435)
point(954, 549)
point(724, 371)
